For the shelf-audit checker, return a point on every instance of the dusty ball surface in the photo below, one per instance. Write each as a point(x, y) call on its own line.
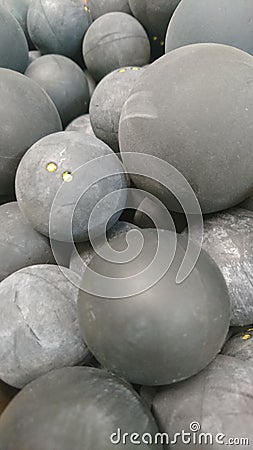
point(20, 244)
point(100, 7)
point(107, 102)
point(81, 124)
point(40, 329)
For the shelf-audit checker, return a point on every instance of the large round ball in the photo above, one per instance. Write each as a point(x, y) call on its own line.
point(20, 244)
point(81, 124)
point(193, 108)
point(115, 40)
point(58, 27)
point(215, 407)
point(13, 44)
point(76, 408)
point(27, 114)
point(65, 84)
point(161, 335)
point(39, 330)
point(86, 251)
point(58, 161)
point(107, 103)
point(218, 21)
point(19, 9)
point(228, 238)
point(240, 346)
point(100, 7)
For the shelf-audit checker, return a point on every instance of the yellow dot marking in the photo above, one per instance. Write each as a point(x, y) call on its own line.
point(86, 9)
point(246, 337)
point(135, 68)
point(250, 329)
point(51, 167)
point(162, 43)
point(67, 177)
point(155, 38)
point(122, 70)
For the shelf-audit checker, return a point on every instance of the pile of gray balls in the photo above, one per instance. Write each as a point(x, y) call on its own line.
point(126, 224)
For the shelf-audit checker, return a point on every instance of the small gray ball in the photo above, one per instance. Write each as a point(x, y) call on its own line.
point(115, 40)
point(40, 329)
point(61, 168)
point(58, 26)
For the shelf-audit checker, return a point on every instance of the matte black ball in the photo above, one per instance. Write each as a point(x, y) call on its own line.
point(49, 165)
point(20, 244)
point(75, 408)
point(228, 238)
point(107, 102)
point(100, 7)
point(191, 121)
point(64, 82)
point(13, 44)
point(218, 401)
point(115, 40)
point(86, 251)
point(81, 124)
point(240, 346)
point(33, 55)
point(218, 21)
point(164, 334)
point(58, 27)
point(39, 330)
point(27, 114)
point(19, 9)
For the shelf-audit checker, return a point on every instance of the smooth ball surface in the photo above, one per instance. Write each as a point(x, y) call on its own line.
point(40, 330)
point(75, 408)
point(183, 111)
point(19, 9)
point(228, 238)
point(64, 82)
point(218, 21)
point(107, 103)
point(51, 164)
point(13, 44)
point(100, 7)
point(24, 120)
point(81, 124)
point(20, 244)
point(164, 334)
point(217, 401)
point(240, 346)
point(115, 40)
point(58, 27)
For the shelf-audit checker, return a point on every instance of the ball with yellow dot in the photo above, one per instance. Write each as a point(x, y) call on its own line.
point(67, 177)
point(51, 167)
